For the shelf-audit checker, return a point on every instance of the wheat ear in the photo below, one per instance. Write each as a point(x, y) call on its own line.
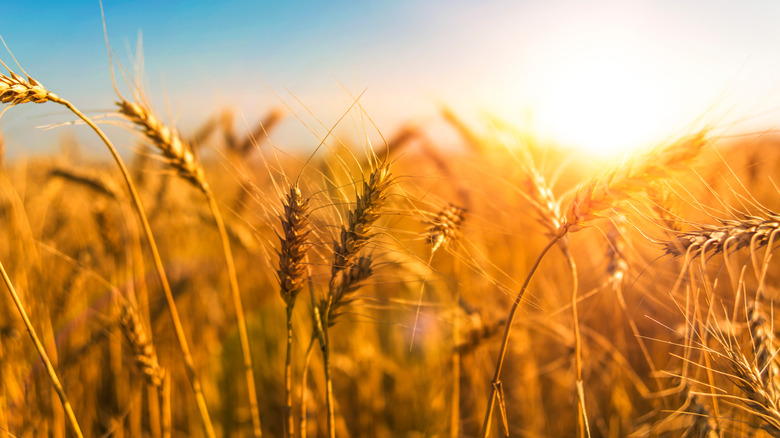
point(731, 235)
point(445, 226)
point(292, 275)
point(178, 152)
point(604, 192)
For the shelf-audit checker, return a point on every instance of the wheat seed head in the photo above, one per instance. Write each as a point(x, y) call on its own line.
point(167, 140)
point(295, 229)
point(604, 192)
point(445, 227)
point(357, 233)
point(143, 350)
point(16, 90)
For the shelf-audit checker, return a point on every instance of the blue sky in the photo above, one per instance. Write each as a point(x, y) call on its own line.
point(581, 68)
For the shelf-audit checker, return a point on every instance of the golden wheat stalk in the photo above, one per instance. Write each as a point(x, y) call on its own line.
point(181, 158)
point(145, 355)
point(292, 275)
point(349, 270)
point(97, 182)
point(16, 90)
point(358, 232)
point(758, 399)
point(55, 381)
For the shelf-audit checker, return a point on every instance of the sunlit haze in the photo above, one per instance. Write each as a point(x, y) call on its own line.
point(606, 76)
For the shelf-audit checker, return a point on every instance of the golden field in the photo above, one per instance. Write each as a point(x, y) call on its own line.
point(366, 289)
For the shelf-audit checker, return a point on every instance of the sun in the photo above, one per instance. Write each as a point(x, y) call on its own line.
point(600, 103)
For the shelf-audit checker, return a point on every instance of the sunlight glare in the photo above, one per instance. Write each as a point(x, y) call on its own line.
point(601, 100)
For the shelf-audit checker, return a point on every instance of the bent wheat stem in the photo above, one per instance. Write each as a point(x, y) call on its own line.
point(189, 364)
point(55, 381)
point(507, 331)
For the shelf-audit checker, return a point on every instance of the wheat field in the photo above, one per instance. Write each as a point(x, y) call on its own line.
point(220, 284)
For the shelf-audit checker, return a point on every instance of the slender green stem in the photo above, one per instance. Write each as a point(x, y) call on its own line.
point(242, 330)
point(189, 364)
point(507, 330)
point(55, 381)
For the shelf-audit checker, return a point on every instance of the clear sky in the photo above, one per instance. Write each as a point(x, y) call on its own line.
point(600, 72)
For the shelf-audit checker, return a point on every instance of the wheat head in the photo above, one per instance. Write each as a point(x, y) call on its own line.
point(168, 141)
point(603, 193)
point(295, 229)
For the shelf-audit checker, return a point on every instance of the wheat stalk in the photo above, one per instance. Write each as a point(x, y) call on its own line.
point(291, 274)
point(295, 229)
point(16, 90)
point(181, 158)
point(758, 399)
point(349, 270)
point(55, 381)
point(97, 182)
point(764, 351)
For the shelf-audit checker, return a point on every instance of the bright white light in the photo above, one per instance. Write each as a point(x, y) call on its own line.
point(599, 102)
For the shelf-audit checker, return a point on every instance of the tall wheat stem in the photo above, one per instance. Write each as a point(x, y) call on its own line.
point(505, 340)
point(241, 320)
point(582, 415)
point(328, 382)
point(189, 364)
point(42, 352)
point(288, 408)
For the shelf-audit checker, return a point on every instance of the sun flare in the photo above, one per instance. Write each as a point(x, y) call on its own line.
point(599, 103)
